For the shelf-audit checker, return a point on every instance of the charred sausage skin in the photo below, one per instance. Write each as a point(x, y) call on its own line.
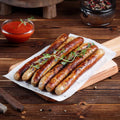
point(67, 69)
point(66, 83)
point(50, 50)
point(31, 70)
point(49, 75)
point(52, 61)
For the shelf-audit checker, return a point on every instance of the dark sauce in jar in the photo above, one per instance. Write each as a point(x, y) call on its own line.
point(97, 12)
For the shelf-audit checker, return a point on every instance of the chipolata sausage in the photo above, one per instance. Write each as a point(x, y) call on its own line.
point(67, 82)
point(29, 73)
point(49, 75)
point(71, 66)
point(52, 61)
point(50, 50)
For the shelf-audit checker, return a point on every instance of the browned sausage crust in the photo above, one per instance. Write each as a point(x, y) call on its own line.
point(52, 61)
point(66, 83)
point(49, 75)
point(29, 73)
point(50, 50)
point(67, 69)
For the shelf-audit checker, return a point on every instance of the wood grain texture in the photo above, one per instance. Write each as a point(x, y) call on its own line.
point(114, 45)
point(31, 3)
point(50, 11)
point(11, 100)
point(105, 71)
point(67, 112)
point(5, 9)
point(103, 97)
point(49, 6)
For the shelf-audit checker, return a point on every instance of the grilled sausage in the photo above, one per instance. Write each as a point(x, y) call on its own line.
point(29, 73)
point(71, 66)
point(47, 77)
point(66, 83)
point(50, 50)
point(52, 61)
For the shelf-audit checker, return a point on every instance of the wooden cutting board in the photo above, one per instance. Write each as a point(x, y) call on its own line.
point(109, 68)
point(105, 71)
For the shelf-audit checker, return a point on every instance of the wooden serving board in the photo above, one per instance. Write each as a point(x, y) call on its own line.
point(105, 71)
point(109, 68)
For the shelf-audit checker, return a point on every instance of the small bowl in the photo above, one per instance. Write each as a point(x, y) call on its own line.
point(97, 14)
point(19, 35)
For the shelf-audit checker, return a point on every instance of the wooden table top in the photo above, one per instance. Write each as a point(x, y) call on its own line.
point(100, 101)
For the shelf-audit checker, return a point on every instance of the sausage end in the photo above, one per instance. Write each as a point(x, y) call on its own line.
point(17, 76)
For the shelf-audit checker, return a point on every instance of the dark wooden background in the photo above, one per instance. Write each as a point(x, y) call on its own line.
point(102, 103)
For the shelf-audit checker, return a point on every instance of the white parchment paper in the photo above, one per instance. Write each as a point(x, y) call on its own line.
point(109, 55)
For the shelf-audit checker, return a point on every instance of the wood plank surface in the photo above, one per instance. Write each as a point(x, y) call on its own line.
point(31, 3)
point(67, 112)
point(102, 98)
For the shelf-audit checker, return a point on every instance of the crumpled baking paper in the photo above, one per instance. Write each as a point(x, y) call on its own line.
point(109, 55)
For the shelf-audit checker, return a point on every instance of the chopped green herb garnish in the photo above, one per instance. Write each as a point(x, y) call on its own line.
point(56, 59)
point(93, 43)
point(62, 56)
point(55, 51)
point(31, 65)
point(62, 51)
point(89, 45)
point(64, 59)
point(74, 54)
point(43, 62)
point(63, 63)
point(79, 48)
point(36, 66)
point(83, 51)
point(46, 55)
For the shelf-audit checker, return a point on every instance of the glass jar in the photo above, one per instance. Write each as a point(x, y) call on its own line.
point(97, 12)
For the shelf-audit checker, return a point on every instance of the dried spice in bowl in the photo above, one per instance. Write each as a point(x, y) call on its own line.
point(98, 4)
point(97, 12)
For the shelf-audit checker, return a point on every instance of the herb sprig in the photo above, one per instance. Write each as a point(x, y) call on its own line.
point(24, 22)
point(64, 59)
